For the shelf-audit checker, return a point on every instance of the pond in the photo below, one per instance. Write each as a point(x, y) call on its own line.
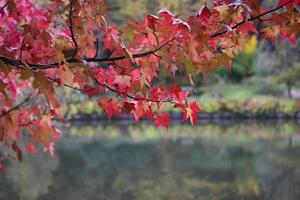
point(228, 161)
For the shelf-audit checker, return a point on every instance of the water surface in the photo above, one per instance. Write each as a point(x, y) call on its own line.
point(234, 161)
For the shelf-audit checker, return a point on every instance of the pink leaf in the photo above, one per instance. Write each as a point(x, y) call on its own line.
point(30, 149)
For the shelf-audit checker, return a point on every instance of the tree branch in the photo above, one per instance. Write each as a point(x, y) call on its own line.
point(71, 28)
point(74, 60)
point(252, 19)
point(97, 49)
point(113, 59)
point(115, 91)
point(131, 96)
point(4, 6)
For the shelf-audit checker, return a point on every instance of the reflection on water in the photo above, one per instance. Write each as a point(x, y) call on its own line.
point(208, 162)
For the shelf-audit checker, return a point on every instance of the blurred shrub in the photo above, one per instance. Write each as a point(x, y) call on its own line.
point(231, 105)
point(262, 105)
point(211, 106)
point(259, 106)
point(243, 65)
point(287, 106)
point(88, 107)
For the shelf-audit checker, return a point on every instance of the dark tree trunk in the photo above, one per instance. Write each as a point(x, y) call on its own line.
point(289, 89)
point(290, 146)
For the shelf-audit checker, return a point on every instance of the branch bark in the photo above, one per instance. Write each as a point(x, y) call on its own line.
point(32, 66)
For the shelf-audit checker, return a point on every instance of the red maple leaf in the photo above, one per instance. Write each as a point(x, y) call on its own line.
point(191, 112)
point(152, 21)
point(163, 119)
point(111, 106)
point(247, 27)
point(30, 149)
point(282, 2)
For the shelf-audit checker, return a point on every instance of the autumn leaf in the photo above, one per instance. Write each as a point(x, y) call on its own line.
point(111, 106)
point(30, 149)
point(152, 21)
point(1, 166)
point(129, 107)
point(2, 88)
point(191, 112)
point(271, 32)
point(162, 119)
point(224, 11)
point(282, 2)
point(126, 51)
point(121, 65)
point(203, 13)
point(11, 4)
point(247, 27)
point(51, 149)
point(166, 15)
point(26, 74)
point(18, 151)
point(65, 74)
point(139, 110)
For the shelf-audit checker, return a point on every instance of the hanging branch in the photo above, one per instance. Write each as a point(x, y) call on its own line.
point(131, 96)
point(33, 66)
point(115, 91)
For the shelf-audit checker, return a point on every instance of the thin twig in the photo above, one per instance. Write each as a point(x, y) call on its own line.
point(71, 29)
point(21, 48)
point(4, 6)
point(157, 55)
point(97, 49)
point(251, 19)
point(131, 96)
point(115, 91)
point(157, 41)
point(69, 86)
point(17, 106)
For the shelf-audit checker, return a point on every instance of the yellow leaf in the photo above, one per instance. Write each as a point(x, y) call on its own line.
point(189, 66)
point(224, 11)
point(250, 46)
